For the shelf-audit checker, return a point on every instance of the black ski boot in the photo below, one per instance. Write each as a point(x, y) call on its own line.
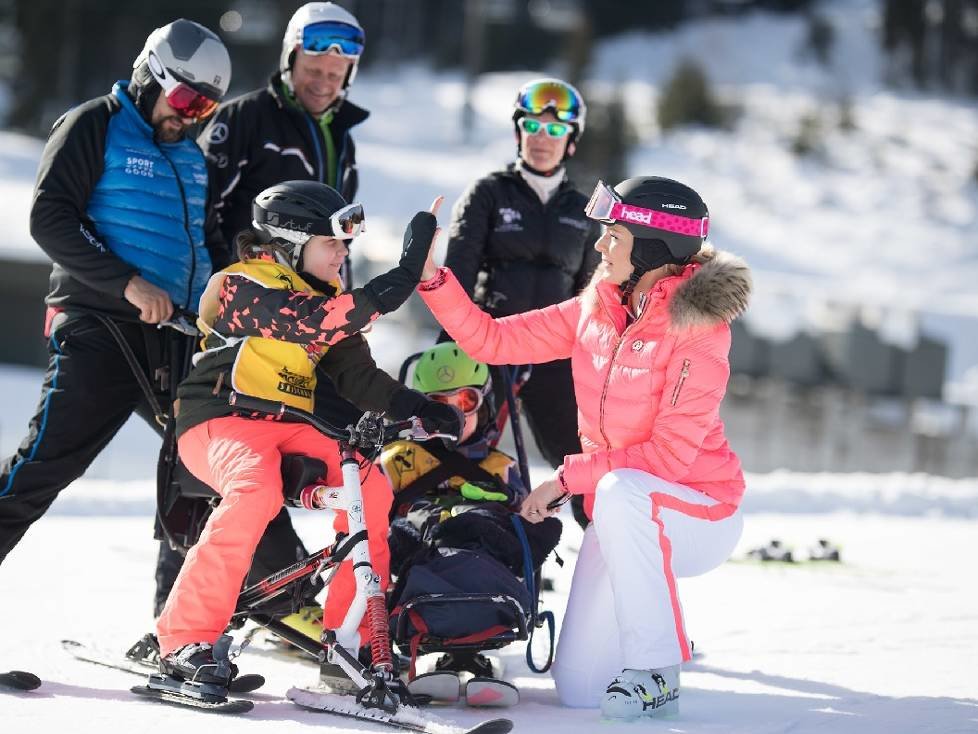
point(465, 662)
point(145, 651)
point(196, 663)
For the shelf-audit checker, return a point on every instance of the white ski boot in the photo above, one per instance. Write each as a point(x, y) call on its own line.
point(637, 693)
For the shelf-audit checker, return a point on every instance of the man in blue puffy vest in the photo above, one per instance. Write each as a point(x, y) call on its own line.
point(120, 207)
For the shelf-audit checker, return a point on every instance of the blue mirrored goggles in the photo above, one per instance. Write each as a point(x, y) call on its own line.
point(320, 38)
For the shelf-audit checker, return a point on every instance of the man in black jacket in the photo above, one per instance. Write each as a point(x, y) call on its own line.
point(519, 240)
point(295, 128)
point(120, 208)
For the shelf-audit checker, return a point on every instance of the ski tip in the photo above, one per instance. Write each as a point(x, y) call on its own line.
point(246, 683)
point(493, 726)
point(21, 680)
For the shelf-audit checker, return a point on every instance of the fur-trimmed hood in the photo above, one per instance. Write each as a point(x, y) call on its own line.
point(718, 291)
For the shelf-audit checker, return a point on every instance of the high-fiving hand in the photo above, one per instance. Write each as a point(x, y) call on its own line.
point(430, 269)
point(388, 291)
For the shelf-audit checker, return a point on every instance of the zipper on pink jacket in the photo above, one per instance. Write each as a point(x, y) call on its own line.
point(607, 379)
point(683, 374)
point(604, 390)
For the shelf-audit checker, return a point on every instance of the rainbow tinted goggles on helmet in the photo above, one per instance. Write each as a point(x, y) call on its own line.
point(607, 207)
point(559, 98)
point(532, 126)
point(468, 399)
point(329, 35)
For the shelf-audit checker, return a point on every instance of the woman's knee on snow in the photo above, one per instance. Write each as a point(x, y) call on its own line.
point(573, 687)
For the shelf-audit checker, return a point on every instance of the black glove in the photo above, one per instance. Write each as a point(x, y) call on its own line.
point(442, 418)
point(435, 417)
point(388, 291)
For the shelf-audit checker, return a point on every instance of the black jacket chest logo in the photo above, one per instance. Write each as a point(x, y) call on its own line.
point(509, 220)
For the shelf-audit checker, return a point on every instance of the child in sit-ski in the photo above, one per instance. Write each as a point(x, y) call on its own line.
point(459, 499)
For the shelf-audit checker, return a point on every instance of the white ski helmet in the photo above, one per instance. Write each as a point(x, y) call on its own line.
point(337, 30)
point(189, 53)
point(552, 95)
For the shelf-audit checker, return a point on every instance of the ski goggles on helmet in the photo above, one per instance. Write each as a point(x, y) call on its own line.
point(343, 224)
point(607, 207)
point(188, 102)
point(532, 126)
point(185, 100)
point(468, 399)
point(348, 222)
point(328, 35)
point(561, 99)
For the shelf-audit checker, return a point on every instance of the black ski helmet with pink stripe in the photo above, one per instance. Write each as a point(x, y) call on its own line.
point(654, 245)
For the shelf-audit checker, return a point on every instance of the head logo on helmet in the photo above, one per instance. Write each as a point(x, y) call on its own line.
point(640, 217)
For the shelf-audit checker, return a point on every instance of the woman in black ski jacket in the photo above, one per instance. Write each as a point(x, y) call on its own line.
point(519, 241)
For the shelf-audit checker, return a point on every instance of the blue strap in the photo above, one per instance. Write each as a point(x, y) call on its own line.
point(535, 620)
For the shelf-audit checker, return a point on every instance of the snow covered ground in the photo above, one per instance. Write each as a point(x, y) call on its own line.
point(883, 643)
point(886, 216)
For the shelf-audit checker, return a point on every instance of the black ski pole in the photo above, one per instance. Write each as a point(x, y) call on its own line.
point(508, 373)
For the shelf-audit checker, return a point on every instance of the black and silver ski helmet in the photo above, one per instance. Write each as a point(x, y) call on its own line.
point(290, 213)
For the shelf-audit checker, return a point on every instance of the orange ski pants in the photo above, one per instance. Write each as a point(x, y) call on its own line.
point(241, 459)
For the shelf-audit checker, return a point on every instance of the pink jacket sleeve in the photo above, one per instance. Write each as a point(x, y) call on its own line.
point(696, 380)
point(527, 338)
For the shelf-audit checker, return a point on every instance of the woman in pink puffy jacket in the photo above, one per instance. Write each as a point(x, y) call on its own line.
point(648, 340)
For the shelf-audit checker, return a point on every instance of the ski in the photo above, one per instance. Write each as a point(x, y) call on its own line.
point(407, 718)
point(490, 693)
point(227, 706)
point(241, 684)
point(448, 687)
point(19, 680)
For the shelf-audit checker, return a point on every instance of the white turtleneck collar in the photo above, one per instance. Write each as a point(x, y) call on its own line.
point(544, 186)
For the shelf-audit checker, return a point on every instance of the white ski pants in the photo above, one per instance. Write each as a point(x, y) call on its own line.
point(623, 610)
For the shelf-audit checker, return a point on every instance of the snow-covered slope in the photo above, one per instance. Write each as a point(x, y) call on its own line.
point(883, 644)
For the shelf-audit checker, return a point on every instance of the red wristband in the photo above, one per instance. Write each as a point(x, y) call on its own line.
point(560, 478)
point(436, 281)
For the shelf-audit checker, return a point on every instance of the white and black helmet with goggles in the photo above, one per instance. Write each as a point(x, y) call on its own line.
point(320, 28)
point(290, 213)
point(189, 63)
